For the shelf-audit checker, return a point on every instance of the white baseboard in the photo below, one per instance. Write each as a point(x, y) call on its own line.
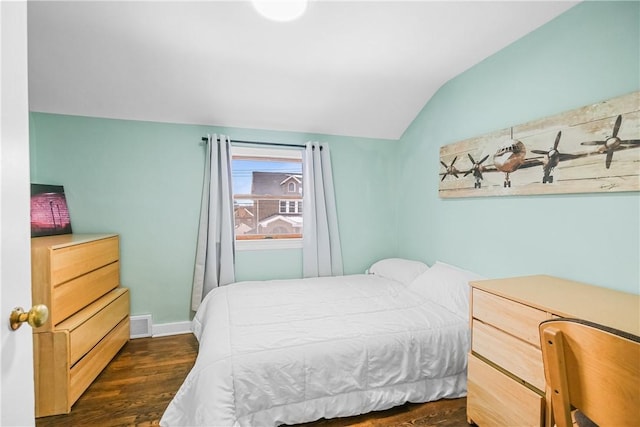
point(142, 326)
point(166, 329)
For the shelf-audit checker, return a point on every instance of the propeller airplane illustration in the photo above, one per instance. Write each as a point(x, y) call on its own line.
point(511, 156)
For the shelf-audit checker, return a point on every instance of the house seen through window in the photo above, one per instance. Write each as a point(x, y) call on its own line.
point(267, 192)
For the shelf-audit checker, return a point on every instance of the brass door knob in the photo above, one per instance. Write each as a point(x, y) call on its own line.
point(35, 317)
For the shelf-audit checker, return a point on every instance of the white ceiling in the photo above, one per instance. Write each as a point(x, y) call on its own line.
point(359, 68)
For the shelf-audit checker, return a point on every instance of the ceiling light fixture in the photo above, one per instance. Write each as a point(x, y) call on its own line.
point(280, 10)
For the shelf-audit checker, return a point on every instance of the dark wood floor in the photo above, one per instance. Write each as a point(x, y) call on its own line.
point(138, 384)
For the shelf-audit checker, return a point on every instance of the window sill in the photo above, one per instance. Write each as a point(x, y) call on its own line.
point(268, 244)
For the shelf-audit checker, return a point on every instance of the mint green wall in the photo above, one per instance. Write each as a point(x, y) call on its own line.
point(143, 181)
point(589, 54)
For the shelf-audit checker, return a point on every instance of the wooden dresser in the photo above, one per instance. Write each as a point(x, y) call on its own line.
point(78, 277)
point(506, 384)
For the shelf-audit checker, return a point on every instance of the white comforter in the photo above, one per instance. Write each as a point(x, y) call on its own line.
point(291, 351)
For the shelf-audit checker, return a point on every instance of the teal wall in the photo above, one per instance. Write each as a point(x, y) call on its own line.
point(143, 181)
point(589, 54)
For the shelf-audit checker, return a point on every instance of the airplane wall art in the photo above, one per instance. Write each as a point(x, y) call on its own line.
point(595, 148)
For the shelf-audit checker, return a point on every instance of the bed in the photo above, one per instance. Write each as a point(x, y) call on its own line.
point(292, 351)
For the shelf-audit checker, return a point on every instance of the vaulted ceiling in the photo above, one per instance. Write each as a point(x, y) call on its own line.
point(358, 68)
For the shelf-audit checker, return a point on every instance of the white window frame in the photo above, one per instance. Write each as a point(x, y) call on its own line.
point(293, 153)
point(268, 244)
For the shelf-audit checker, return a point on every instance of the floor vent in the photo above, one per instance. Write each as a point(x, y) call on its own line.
point(141, 326)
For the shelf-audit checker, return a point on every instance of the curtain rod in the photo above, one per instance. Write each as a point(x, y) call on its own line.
point(276, 144)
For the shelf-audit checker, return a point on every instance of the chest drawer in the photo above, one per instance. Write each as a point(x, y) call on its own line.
point(493, 399)
point(516, 356)
point(91, 324)
point(509, 316)
point(89, 367)
point(69, 297)
point(73, 261)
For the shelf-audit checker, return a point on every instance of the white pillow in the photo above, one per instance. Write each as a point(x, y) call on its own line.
point(446, 285)
point(398, 269)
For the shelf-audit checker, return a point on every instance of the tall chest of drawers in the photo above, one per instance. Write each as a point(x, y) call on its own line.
point(506, 384)
point(77, 276)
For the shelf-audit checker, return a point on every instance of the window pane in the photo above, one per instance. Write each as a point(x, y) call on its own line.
point(264, 206)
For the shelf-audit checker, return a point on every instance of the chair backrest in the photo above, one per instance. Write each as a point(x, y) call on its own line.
point(592, 368)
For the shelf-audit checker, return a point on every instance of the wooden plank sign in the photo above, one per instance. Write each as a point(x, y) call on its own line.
point(595, 148)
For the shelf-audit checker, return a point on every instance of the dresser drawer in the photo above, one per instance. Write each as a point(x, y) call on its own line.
point(493, 399)
point(69, 297)
point(516, 356)
point(89, 367)
point(514, 318)
point(72, 261)
point(91, 324)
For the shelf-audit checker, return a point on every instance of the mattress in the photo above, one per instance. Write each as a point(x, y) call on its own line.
point(291, 351)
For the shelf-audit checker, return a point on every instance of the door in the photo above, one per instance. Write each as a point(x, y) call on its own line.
point(16, 372)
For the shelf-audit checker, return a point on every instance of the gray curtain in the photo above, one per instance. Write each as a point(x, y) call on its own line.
point(321, 252)
point(215, 251)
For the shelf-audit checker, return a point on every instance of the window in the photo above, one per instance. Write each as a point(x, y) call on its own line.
point(267, 195)
point(290, 207)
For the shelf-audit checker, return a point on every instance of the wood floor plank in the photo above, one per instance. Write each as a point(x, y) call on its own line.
point(136, 387)
point(138, 384)
point(442, 413)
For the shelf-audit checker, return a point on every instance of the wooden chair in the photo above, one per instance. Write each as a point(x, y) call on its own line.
point(593, 369)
